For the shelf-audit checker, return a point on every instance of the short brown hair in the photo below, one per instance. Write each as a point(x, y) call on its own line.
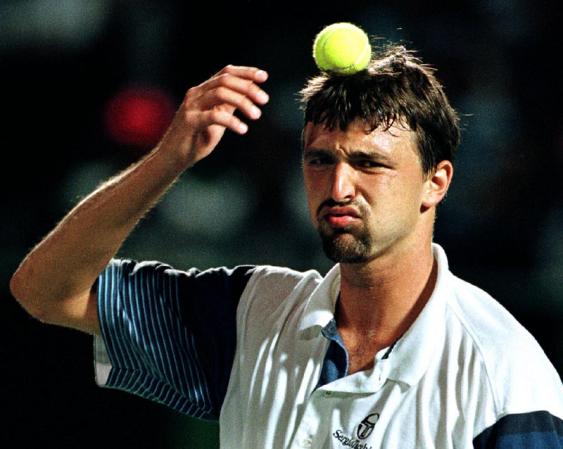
point(395, 86)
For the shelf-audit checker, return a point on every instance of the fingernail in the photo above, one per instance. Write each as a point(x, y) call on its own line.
point(255, 112)
point(243, 127)
point(262, 74)
point(263, 97)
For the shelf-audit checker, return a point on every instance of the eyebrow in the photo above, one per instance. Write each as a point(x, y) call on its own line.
point(353, 155)
point(360, 154)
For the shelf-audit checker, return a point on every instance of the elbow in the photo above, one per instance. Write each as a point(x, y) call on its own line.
point(20, 289)
point(17, 286)
point(45, 302)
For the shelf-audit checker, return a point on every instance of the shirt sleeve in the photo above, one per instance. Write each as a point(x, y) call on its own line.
point(539, 429)
point(169, 335)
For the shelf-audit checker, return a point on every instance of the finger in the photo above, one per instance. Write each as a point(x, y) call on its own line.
point(242, 85)
point(223, 118)
point(225, 97)
point(251, 73)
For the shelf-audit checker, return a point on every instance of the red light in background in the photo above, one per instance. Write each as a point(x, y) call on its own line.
point(138, 116)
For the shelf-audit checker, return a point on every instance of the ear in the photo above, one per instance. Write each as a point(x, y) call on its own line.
point(437, 184)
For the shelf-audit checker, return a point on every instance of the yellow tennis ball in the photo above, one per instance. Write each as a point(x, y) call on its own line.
point(342, 48)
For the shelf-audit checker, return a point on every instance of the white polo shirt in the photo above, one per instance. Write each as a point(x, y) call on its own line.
point(464, 364)
point(465, 375)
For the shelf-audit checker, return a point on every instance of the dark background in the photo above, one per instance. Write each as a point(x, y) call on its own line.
point(65, 63)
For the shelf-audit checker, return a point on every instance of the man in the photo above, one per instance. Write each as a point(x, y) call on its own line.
point(388, 350)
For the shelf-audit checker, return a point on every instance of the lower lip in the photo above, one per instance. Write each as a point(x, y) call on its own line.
point(340, 221)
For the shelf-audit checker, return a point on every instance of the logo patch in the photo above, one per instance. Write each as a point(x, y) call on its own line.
point(365, 428)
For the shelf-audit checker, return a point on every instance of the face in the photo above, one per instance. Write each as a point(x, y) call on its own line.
point(365, 191)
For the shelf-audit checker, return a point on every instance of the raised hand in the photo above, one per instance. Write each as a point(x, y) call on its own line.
point(208, 109)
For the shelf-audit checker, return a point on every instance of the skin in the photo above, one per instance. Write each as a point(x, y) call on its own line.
point(55, 282)
point(393, 203)
point(374, 208)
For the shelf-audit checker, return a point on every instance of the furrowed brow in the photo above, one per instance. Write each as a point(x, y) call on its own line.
point(316, 152)
point(372, 155)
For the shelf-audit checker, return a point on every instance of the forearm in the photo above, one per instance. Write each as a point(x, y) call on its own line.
point(67, 261)
point(54, 281)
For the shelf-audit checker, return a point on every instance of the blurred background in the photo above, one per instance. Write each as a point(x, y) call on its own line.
point(88, 86)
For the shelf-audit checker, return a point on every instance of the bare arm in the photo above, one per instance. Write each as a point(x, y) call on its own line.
point(55, 281)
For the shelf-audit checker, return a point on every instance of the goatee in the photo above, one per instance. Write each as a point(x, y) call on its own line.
point(346, 246)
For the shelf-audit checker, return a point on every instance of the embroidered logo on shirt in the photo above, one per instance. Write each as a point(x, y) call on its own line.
point(366, 426)
point(364, 430)
point(347, 441)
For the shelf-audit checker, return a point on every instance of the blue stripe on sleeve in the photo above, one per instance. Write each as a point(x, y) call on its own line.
point(213, 326)
point(171, 335)
point(534, 430)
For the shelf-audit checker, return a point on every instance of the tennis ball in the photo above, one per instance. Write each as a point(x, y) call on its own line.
point(342, 48)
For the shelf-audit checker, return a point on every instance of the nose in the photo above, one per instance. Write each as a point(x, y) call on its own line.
point(342, 185)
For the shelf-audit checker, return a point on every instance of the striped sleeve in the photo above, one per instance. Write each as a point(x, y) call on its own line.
point(534, 430)
point(170, 335)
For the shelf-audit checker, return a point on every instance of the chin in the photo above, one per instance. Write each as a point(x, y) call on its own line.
point(345, 248)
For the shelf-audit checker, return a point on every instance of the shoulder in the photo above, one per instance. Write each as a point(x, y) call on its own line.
point(273, 292)
point(246, 280)
point(277, 283)
point(489, 323)
point(152, 272)
point(282, 278)
point(519, 374)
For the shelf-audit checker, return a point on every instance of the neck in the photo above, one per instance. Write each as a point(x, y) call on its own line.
point(380, 299)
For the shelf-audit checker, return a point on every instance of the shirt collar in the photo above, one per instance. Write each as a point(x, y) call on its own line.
point(413, 352)
point(319, 310)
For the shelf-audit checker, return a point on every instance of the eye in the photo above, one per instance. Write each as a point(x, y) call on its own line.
point(318, 159)
point(367, 163)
